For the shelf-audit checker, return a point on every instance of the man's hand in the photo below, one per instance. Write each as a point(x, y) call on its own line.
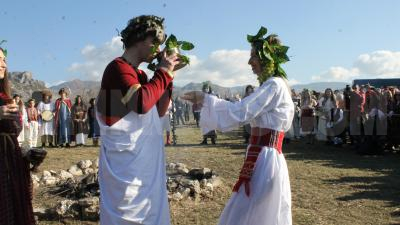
point(168, 62)
point(195, 97)
point(9, 111)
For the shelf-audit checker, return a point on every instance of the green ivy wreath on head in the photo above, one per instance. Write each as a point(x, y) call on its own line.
point(271, 53)
point(3, 49)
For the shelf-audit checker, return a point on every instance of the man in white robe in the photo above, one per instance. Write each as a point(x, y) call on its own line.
point(132, 173)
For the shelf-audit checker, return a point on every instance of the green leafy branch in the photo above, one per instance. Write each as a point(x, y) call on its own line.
point(172, 45)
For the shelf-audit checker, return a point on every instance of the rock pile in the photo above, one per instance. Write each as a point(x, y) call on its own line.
point(194, 183)
point(80, 188)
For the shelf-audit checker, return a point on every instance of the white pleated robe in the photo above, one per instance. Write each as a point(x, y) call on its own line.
point(270, 106)
point(132, 173)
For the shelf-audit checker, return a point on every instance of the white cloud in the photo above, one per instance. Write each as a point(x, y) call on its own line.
point(293, 82)
point(378, 64)
point(337, 73)
point(381, 63)
point(223, 67)
point(96, 59)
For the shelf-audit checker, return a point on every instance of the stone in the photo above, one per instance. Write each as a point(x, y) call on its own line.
point(203, 183)
point(64, 175)
point(208, 191)
point(181, 165)
point(74, 170)
point(35, 177)
point(195, 186)
point(67, 208)
point(88, 171)
point(95, 164)
point(186, 193)
point(46, 173)
point(35, 184)
point(49, 180)
point(83, 164)
point(184, 182)
point(87, 202)
point(182, 170)
point(53, 173)
point(42, 213)
point(172, 185)
point(177, 196)
point(171, 166)
point(91, 213)
point(202, 173)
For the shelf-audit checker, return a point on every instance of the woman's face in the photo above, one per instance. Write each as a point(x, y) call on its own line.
point(255, 62)
point(3, 64)
point(328, 93)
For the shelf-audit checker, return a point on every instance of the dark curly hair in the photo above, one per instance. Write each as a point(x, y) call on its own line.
point(141, 27)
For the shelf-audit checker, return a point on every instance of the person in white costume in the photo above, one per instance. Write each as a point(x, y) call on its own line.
point(132, 173)
point(23, 135)
point(33, 126)
point(166, 124)
point(46, 124)
point(262, 194)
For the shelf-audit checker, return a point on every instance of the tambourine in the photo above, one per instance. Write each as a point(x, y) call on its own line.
point(47, 115)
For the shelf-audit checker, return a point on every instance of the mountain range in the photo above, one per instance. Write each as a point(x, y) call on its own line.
point(24, 85)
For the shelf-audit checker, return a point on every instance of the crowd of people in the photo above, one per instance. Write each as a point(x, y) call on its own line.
point(359, 116)
point(58, 123)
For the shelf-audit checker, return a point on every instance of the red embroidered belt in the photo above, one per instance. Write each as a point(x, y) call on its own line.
point(260, 137)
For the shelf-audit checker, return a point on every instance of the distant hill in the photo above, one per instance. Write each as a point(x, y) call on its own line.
point(320, 86)
point(24, 85)
point(86, 89)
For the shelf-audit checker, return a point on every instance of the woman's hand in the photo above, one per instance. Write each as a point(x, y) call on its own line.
point(9, 111)
point(195, 97)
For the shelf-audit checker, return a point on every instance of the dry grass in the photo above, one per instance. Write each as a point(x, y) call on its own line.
point(329, 185)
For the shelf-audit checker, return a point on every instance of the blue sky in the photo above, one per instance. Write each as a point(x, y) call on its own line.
point(329, 40)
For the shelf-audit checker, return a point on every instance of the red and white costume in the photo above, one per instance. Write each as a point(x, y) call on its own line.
point(132, 174)
point(262, 194)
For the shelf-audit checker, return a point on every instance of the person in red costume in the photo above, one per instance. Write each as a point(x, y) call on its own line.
point(15, 179)
point(129, 106)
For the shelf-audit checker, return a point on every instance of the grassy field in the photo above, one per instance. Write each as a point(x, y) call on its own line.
point(329, 185)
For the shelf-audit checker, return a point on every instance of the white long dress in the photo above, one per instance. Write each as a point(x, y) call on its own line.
point(270, 106)
point(46, 127)
point(323, 118)
point(132, 173)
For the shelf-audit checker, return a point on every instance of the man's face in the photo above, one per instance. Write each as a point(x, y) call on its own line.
point(148, 49)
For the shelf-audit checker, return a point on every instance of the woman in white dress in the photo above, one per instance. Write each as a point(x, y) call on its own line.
point(325, 104)
point(262, 194)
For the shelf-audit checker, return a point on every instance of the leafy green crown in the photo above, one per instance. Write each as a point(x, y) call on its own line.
point(270, 52)
point(3, 49)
